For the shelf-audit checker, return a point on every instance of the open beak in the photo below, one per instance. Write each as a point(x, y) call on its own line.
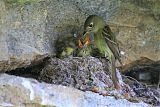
point(80, 43)
point(85, 40)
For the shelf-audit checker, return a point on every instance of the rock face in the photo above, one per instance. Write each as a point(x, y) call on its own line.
point(22, 37)
point(23, 92)
point(136, 23)
point(138, 29)
point(144, 70)
point(29, 29)
point(92, 74)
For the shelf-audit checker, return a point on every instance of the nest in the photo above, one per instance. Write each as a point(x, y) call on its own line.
point(78, 72)
point(86, 73)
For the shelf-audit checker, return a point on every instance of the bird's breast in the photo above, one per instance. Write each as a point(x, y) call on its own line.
point(99, 40)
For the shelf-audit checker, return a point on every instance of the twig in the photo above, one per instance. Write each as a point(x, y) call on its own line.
point(131, 78)
point(121, 25)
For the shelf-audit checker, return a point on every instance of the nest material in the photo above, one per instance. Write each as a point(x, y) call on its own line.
point(86, 73)
point(79, 72)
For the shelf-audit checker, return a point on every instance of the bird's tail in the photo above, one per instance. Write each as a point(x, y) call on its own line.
point(114, 74)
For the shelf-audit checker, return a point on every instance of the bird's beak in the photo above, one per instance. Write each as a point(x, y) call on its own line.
point(85, 40)
point(81, 40)
point(80, 43)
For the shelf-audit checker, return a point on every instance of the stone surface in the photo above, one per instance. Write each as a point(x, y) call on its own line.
point(137, 25)
point(144, 70)
point(22, 35)
point(29, 29)
point(143, 76)
point(23, 92)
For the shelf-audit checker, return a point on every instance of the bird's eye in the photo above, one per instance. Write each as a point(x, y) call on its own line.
point(91, 25)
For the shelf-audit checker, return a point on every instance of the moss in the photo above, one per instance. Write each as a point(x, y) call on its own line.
point(9, 3)
point(21, 1)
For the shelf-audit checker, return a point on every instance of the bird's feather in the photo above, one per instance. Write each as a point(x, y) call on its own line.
point(112, 43)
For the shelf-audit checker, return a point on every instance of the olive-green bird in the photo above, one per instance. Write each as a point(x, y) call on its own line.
point(66, 46)
point(102, 38)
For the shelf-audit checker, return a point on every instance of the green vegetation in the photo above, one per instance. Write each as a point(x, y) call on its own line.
point(20, 1)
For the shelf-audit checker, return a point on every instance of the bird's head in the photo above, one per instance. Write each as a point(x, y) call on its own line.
point(93, 24)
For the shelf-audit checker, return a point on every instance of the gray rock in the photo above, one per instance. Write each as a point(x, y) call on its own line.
point(23, 92)
point(22, 36)
point(137, 27)
point(28, 30)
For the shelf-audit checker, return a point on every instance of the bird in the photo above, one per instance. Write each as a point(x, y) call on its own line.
point(66, 46)
point(71, 46)
point(100, 35)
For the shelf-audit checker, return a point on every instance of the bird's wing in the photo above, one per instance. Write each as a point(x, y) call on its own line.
point(109, 33)
point(112, 43)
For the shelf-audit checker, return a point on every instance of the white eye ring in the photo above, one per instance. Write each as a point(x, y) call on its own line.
point(91, 25)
